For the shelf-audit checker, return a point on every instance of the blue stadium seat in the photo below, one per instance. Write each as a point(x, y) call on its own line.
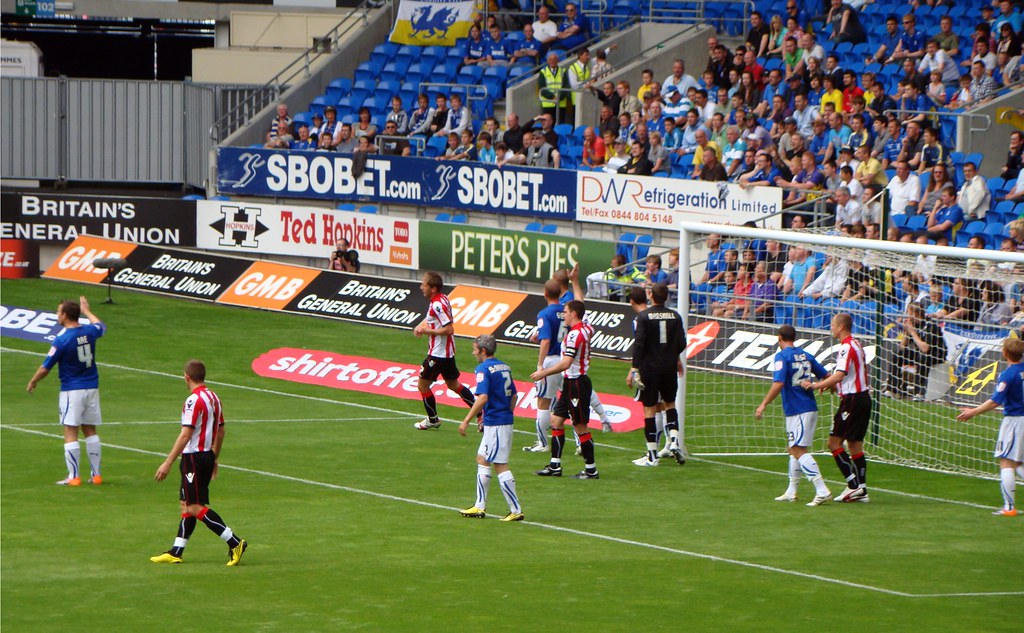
point(344, 84)
point(994, 228)
point(550, 229)
point(460, 218)
point(1002, 212)
point(383, 53)
point(643, 245)
point(443, 217)
point(975, 158)
point(917, 222)
point(533, 226)
point(977, 226)
point(367, 71)
point(368, 208)
point(437, 142)
point(625, 245)
point(345, 206)
point(899, 221)
point(388, 88)
point(195, 196)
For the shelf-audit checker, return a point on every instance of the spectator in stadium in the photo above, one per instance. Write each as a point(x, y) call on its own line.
point(933, 152)
point(732, 153)
point(593, 148)
point(904, 190)
point(475, 49)
point(343, 258)
point(541, 153)
point(513, 135)
point(808, 179)
point(574, 30)
point(325, 143)
point(607, 121)
point(679, 79)
point(913, 143)
point(451, 149)
point(344, 141)
point(830, 283)
point(316, 128)
point(869, 170)
point(420, 118)
point(921, 347)
point(544, 124)
point(638, 163)
point(936, 59)
point(280, 128)
point(719, 66)
point(845, 23)
point(393, 146)
point(364, 127)
point(932, 193)
point(848, 209)
point(763, 293)
point(502, 154)
point(528, 49)
point(1009, 41)
point(657, 155)
point(936, 91)
point(765, 175)
point(653, 274)
point(860, 280)
point(799, 273)
point(887, 42)
point(467, 149)
point(398, 116)
point(544, 28)
point(458, 117)
point(811, 49)
point(440, 115)
point(711, 170)
point(995, 310)
point(303, 142)
point(962, 305)
point(974, 197)
point(982, 84)
point(946, 217)
point(1014, 156)
point(499, 49)
point(759, 36)
point(911, 42)
point(610, 98)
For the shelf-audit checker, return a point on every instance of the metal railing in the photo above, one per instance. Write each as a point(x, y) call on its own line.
point(269, 92)
point(963, 134)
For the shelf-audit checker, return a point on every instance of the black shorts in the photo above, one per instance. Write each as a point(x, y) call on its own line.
point(660, 386)
point(852, 418)
point(434, 366)
point(574, 400)
point(196, 473)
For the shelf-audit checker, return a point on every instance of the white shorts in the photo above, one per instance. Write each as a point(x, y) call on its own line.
point(800, 429)
point(548, 387)
point(496, 444)
point(1010, 444)
point(80, 406)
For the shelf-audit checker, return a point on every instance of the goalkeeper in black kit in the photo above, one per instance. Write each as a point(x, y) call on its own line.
point(659, 339)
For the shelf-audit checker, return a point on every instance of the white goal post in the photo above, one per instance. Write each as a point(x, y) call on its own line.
point(728, 359)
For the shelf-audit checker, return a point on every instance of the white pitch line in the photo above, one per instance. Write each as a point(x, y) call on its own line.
point(910, 495)
point(231, 420)
point(558, 528)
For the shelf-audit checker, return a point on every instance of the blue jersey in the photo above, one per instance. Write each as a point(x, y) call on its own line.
point(494, 379)
point(1010, 390)
point(551, 327)
point(75, 350)
point(793, 365)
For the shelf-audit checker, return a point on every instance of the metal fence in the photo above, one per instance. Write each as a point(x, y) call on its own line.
point(100, 130)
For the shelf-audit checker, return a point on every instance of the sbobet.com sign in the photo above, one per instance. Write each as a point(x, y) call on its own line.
point(399, 180)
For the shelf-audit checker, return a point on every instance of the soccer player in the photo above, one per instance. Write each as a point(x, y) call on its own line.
point(564, 277)
point(495, 397)
point(550, 332)
point(574, 400)
point(74, 350)
point(658, 340)
point(440, 360)
point(199, 444)
point(793, 365)
point(850, 423)
point(1010, 446)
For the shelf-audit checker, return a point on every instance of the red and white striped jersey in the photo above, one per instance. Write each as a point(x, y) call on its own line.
point(202, 412)
point(439, 314)
point(851, 360)
point(577, 346)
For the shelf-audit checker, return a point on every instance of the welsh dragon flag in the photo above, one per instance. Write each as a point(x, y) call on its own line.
point(432, 22)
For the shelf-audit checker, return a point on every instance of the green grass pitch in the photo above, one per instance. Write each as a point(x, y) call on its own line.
point(350, 513)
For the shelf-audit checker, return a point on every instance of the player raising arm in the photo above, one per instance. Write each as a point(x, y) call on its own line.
point(850, 423)
point(495, 397)
point(1009, 394)
point(792, 366)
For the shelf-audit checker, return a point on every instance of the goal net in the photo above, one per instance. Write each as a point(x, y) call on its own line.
point(733, 316)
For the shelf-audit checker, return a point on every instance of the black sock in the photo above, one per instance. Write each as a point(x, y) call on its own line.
point(185, 528)
point(861, 463)
point(650, 430)
point(217, 525)
point(430, 404)
point(467, 396)
point(587, 451)
point(671, 419)
point(846, 467)
point(557, 444)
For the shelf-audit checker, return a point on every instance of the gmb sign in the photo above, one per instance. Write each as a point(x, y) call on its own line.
point(397, 179)
point(507, 254)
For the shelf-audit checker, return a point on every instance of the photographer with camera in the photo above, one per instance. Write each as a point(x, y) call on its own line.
point(343, 258)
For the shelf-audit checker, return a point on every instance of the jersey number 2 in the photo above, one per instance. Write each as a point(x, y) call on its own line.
point(801, 372)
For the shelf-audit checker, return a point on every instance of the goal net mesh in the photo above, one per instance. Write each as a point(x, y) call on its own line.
point(731, 344)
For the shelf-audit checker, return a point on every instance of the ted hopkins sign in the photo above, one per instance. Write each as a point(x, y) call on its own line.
point(61, 218)
point(397, 179)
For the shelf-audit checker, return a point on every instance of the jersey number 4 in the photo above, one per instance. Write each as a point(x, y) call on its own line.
point(85, 354)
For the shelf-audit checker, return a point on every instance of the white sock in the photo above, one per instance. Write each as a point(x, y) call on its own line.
point(94, 450)
point(543, 426)
point(794, 475)
point(226, 534)
point(576, 436)
point(1007, 485)
point(483, 482)
point(652, 451)
point(507, 483)
point(598, 408)
point(72, 453)
point(809, 466)
point(659, 423)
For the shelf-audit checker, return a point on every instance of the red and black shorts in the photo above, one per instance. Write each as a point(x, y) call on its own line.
point(434, 366)
point(574, 400)
point(196, 473)
point(852, 418)
point(661, 386)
